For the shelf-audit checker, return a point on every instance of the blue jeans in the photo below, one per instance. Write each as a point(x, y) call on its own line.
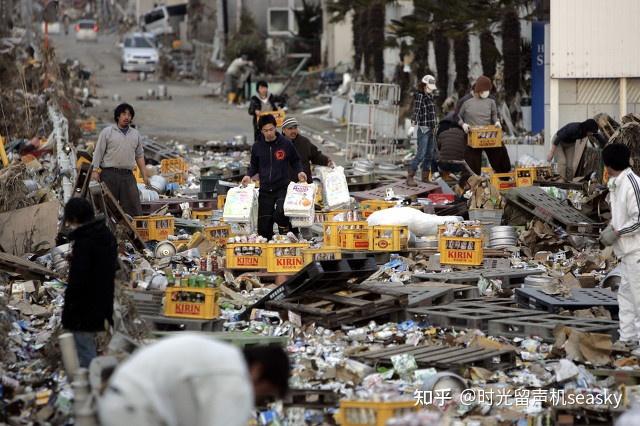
point(425, 153)
point(85, 346)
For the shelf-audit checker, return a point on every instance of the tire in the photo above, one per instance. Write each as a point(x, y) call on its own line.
point(122, 68)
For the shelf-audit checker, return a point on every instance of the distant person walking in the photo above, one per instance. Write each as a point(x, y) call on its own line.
point(424, 118)
point(262, 102)
point(118, 151)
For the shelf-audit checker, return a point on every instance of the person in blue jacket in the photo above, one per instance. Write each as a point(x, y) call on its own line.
point(271, 157)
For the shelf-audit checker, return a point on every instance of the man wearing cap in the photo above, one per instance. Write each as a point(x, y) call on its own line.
point(308, 152)
point(481, 110)
point(424, 118)
point(564, 143)
point(118, 151)
point(272, 156)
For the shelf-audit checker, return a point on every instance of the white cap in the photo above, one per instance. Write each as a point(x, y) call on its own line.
point(430, 81)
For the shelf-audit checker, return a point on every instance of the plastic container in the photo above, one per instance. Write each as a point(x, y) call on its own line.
point(217, 233)
point(369, 206)
point(174, 169)
point(195, 303)
point(286, 257)
point(503, 181)
point(246, 256)
point(485, 137)
point(355, 239)
point(201, 214)
point(460, 250)
point(154, 228)
point(318, 254)
point(388, 238)
point(360, 413)
point(488, 216)
point(332, 231)
point(525, 176)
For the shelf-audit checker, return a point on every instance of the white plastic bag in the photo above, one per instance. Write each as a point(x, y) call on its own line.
point(335, 191)
point(241, 205)
point(300, 200)
point(421, 224)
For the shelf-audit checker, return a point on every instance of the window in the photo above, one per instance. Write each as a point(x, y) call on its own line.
point(281, 21)
point(140, 42)
point(86, 25)
point(154, 15)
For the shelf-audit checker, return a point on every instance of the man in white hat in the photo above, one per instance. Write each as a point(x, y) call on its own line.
point(309, 153)
point(424, 118)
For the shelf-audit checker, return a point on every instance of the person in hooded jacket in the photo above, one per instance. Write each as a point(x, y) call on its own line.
point(481, 110)
point(88, 299)
point(271, 157)
point(261, 102)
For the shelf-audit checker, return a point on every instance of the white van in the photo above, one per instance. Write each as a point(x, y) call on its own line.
point(164, 19)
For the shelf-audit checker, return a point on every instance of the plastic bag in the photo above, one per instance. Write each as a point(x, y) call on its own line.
point(335, 191)
point(300, 200)
point(241, 206)
point(421, 224)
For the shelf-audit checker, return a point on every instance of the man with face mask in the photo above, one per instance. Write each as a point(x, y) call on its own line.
point(424, 118)
point(481, 110)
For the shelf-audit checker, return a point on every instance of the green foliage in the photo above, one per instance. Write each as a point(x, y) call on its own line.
point(248, 41)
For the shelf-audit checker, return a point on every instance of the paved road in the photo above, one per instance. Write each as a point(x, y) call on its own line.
point(190, 116)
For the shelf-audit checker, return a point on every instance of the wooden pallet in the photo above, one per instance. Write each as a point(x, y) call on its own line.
point(26, 268)
point(334, 307)
point(417, 295)
point(580, 298)
point(543, 326)
point(469, 315)
point(500, 301)
point(510, 277)
point(445, 357)
point(400, 189)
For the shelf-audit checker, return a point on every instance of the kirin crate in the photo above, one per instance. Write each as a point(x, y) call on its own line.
point(286, 257)
point(465, 251)
point(188, 302)
point(485, 137)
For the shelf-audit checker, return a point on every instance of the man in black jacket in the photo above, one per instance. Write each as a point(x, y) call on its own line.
point(88, 300)
point(271, 157)
point(308, 152)
point(564, 143)
point(263, 102)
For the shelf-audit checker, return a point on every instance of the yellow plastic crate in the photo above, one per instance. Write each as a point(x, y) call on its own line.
point(326, 253)
point(221, 200)
point(460, 250)
point(370, 206)
point(255, 260)
point(322, 217)
point(174, 169)
point(138, 175)
point(388, 238)
point(332, 230)
point(485, 137)
point(189, 302)
point(486, 171)
point(217, 233)
point(525, 176)
point(543, 172)
point(286, 257)
point(355, 239)
point(201, 214)
point(154, 228)
point(360, 413)
point(279, 115)
point(503, 181)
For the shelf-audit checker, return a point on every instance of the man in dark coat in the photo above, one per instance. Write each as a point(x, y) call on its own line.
point(88, 300)
point(452, 142)
point(564, 143)
point(308, 152)
point(271, 157)
point(263, 101)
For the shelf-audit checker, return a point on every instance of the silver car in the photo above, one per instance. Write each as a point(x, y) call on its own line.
point(139, 53)
point(87, 30)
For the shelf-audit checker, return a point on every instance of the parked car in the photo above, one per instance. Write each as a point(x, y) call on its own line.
point(87, 30)
point(139, 53)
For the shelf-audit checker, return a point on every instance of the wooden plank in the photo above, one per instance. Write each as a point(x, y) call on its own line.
point(15, 264)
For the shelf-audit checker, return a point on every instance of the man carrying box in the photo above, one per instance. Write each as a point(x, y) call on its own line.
point(271, 157)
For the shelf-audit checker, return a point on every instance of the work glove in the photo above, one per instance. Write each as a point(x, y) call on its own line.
point(498, 125)
point(410, 131)
point(465, 127)
point(302, 177)
point(608, 236)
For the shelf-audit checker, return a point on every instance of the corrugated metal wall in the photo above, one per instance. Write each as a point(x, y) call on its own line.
point(605, 91)
point(595, 38)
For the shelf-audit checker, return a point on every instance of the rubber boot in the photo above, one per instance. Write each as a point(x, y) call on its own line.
point(411, 181)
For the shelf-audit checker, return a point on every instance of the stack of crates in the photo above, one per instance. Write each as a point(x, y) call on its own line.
point(194, 303)
point(319, 254)
point(485, 137)
point(360, 413)
point(388, 238)
point(175, 170)
point(285, 257)
point(201, 214)
point(154, 228)
point(246, 256)
point(465, 251)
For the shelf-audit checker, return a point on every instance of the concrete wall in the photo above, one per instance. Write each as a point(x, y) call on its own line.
point(259, 9)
